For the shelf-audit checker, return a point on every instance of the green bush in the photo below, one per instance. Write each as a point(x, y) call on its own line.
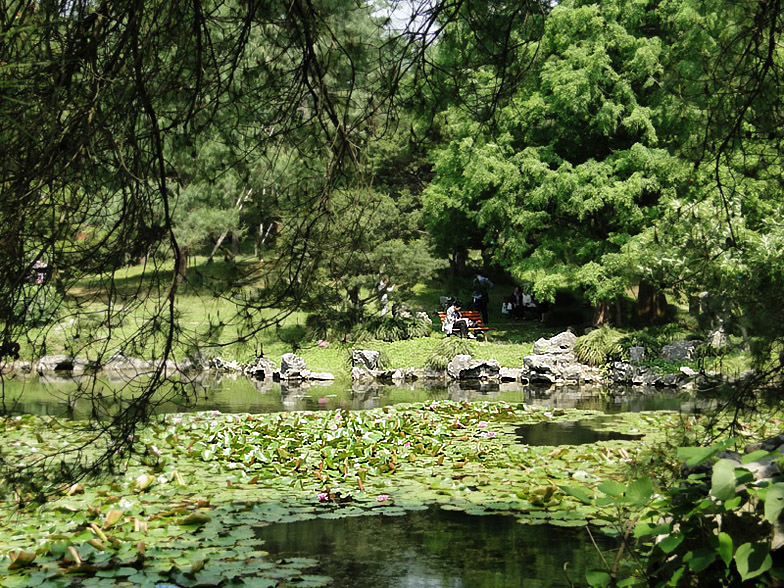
point(391, 328)
point(446, 349)
point(600, 346)
point(644, 338)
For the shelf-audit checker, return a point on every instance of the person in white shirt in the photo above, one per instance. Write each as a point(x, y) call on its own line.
point(453, 321)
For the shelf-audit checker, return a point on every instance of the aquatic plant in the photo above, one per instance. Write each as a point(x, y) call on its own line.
point(185, 509)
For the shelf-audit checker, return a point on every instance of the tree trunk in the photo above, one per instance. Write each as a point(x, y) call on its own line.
point(651, 306)
point(608, 312)
point(457, 261)
point(182, 271)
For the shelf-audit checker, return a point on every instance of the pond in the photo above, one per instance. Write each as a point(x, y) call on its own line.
point(64, 397)
point(436, 548)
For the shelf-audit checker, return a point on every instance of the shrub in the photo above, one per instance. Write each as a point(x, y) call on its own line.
point(446, 349)
point(712, 527)
point(600, 346)
point(391, 328)
point(643, 338)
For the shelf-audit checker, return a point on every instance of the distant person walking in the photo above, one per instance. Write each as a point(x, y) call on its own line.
point(481, 286)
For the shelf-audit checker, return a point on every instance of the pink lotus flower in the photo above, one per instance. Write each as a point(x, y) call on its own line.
point(487, 434)
point(323, 497)
point(549, 415)
point(481, 424)
point(383, 497)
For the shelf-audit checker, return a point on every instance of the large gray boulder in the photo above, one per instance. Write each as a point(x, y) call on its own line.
point(365, 358)
point(680, 350)
point(462, 367)
point(545, 368)
point(510, 374)
point(83, 366)
point(119, 362)
point(260, 368)
point(637, 354)
point(554, 362)
point(429, 373)
point(320, 376)
point(457, 365)
point(293, 367)
point(623, 373)
point(54, 363)
point(560, 344)
point(361, 374)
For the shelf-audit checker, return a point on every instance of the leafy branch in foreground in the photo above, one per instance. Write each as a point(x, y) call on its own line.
point(717, 526)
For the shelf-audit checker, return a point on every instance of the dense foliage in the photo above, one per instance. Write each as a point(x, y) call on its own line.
point(621, 148)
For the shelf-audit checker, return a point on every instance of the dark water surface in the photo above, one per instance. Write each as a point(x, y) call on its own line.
point(436, 549)
point(581, 432)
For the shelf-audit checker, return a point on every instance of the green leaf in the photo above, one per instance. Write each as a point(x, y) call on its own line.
point(774, 502)
point(640, 491)
point(648, 529)
point(14, 581)
point(612, 488)
point(755, 456)
point(676, 576)
point(597, 578)
point(723, 480)
point(724, 547)
point(577, 493)
point(752, 560)
point(671, 542)
point(694, 456)
point(700, 559)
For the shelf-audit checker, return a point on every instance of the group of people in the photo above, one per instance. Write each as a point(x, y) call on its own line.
point(519, 302)
point(518, 305)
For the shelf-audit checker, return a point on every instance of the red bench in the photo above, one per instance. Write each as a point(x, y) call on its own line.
point(474, 317)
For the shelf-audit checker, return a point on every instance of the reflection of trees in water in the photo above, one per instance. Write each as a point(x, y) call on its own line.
point(73, 397)
point(570, 433)
point(435, 547)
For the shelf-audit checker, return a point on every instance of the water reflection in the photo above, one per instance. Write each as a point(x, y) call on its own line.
point(570, 433)
point(71, 398)
point(436, 549)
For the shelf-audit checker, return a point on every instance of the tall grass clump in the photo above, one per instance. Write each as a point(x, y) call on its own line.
point(446, 349)
point(600, 346)
point(391, 328)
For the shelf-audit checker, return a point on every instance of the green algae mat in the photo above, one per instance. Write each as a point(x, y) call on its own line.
point(184, 510)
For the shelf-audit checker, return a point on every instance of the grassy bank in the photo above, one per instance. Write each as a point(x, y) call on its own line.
point(208, 323)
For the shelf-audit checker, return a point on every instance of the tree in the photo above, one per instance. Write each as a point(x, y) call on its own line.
point(106, 104)
point(579, 173)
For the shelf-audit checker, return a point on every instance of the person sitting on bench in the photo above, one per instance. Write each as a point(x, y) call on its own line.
point(453, 321)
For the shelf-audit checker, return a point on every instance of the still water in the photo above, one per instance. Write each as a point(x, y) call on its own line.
point(437, 549)
point(68, 398)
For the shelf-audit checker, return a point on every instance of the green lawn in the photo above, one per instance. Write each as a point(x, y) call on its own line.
point(207, 321)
